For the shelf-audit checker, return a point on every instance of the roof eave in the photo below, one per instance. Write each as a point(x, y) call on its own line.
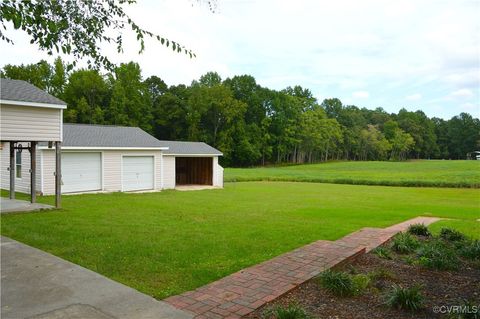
point(79, 148)
point(34, 104)
point(192, 154)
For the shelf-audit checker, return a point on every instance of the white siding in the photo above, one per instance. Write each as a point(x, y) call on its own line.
point(48, 171)
point(22, 184)
point(111, 175)
point(27, 123)
point(112, 169)
point(168, 172)
point(217, 173)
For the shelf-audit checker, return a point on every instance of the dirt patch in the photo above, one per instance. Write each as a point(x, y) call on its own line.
point(440, 288)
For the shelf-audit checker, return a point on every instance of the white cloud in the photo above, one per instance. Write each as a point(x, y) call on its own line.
point(469, 78)
point(462, 93)
point(471, 108)
point(413, 97)
point(361, 94)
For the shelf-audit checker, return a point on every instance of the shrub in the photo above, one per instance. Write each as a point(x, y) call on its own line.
point(405, 298)
point(451, 234)
point(471, 250)
point(404, 243)
point(436, 255)
point(293, 311)
point(382, 252)
point(338, 283)
point(419, 230)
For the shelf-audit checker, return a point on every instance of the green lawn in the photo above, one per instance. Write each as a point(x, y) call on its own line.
point(168, 242)
point(437, 173)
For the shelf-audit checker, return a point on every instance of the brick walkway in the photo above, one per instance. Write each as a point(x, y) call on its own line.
point(242, 292)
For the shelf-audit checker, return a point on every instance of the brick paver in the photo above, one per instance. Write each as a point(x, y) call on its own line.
point(371, 238)
point(239, 294)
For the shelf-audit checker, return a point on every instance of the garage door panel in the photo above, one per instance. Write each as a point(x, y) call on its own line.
point(137, 173)
point(81, 172)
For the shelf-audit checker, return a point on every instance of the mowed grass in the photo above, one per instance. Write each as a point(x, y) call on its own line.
point(169, 242)
point(421, 173)
point(468, 227)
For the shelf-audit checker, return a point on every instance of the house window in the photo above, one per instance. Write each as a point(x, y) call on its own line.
point(18, 164)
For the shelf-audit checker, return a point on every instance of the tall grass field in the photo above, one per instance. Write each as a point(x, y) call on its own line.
point(418, 173)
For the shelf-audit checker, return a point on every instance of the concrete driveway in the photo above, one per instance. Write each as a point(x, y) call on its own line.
point(38, 285)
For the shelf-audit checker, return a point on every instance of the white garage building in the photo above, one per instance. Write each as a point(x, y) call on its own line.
point(114, 158)
point(97, 158)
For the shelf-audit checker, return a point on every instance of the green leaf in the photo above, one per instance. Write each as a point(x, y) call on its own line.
point(17, 21)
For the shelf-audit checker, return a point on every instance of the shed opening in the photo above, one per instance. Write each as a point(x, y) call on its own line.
point(194, 171)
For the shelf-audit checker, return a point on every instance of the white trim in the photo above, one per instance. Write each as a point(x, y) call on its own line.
point(34, 104)
point(195, 155)
point(154, 172)
point(121, 173)
point(174, 172)
point(41, 171)
point(138, 155)
point(61, 125)
point(161, 171)
point(102, 163)
point(89, 148)
point(21, 165)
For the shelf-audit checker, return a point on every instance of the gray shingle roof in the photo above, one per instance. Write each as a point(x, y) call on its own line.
point(192, 148)
point(17, 90)
point(86, 135)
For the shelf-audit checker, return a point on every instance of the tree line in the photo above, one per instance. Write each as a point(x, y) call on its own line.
point(250, 124)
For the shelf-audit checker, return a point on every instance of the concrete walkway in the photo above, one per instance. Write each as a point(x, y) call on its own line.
point(242, 292)
point(8, 205)
point(38, 285)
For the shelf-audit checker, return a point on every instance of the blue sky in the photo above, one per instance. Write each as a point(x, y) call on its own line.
point(413, 54)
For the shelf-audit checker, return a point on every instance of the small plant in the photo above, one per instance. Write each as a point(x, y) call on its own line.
point(351, 269)
point(405, 298)
point(471, 250)
point(451, 234)
point(436, 255)
point(293, 311)
point(409, 260)
point(360, 283)
point(382, 252)
point(404, 243)
point(381, 273)
point(338, 283)
point(419, 230)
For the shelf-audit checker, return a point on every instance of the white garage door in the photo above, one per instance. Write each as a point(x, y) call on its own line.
point(81, 172)
point(137, 173)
